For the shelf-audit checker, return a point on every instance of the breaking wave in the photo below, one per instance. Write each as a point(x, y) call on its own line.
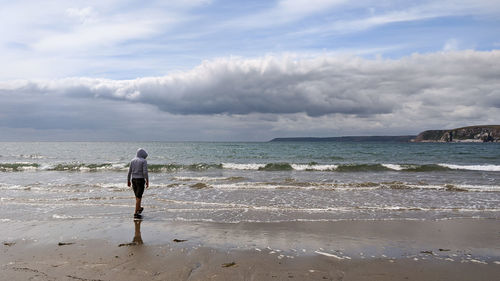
point(178, 167)
point(280, 166)
point(359, 167)
point(14, 167)
point(396, 185)
point(86, 167)
point(491, 168)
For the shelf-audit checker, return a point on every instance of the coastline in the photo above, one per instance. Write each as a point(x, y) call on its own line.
point(89, 249)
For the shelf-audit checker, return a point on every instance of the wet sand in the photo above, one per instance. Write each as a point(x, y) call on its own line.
point(460, 249)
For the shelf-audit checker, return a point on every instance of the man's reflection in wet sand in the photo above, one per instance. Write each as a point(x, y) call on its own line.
point(137, 236)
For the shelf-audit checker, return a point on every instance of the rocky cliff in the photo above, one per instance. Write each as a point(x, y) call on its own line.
point(486, 133)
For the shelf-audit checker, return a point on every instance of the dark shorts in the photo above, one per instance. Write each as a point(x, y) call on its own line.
point(138, 186)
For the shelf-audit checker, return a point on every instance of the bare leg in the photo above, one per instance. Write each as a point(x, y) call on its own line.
point(137, 205)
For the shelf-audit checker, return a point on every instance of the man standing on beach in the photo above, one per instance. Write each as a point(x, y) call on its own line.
point(138, 171)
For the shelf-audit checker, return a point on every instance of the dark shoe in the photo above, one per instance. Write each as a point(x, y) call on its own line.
point(137, 216)
point(140, 210)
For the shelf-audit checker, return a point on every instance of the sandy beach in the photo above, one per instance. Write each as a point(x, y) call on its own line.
point(460, 249)
point(253, 140)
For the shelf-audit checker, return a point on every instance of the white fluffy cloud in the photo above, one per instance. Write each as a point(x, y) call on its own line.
point(274, 96)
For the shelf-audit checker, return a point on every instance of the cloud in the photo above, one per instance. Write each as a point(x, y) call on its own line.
point(64, 38)
point(286, 85)
point(385, 13)
point(340, 16)
point(336, 83)
point(116, 39)
point(280, 13)
point(282, 94)
point(84, 15)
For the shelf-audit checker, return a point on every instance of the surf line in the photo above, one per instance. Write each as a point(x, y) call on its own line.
point(331, 255)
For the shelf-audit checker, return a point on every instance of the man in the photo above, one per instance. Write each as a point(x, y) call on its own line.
point(138, 172)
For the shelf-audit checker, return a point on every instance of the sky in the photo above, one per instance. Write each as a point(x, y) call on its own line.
point(209, 70)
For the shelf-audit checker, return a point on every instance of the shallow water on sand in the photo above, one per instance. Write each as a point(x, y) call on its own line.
point(252, 182)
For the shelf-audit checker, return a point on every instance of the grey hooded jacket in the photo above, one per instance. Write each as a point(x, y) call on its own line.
point(139, 166)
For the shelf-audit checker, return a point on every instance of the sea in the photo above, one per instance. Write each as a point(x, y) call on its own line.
point(231, 182)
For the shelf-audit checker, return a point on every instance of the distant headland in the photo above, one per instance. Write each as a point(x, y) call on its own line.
point(484, 133)
point(481, 133)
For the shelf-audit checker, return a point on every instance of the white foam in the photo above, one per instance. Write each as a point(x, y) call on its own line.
point(246, 185)
point(393, 167)
point(479, 188)
point(195, 220)
point(12, 187)
point(118, 165)
point(46, 166)
point(234, 166)
point(425, 209)
point(297, 167)
point(347, 187)
point(260, 185)
point(489, 168)
point(329, 255)
point(28, 168)
point(64, 217)
point(109, 185)
point(304, 167)
point(30, 156)
point(201, 178)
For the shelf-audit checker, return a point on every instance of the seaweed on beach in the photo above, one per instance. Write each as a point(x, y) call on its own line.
point(200, 185)
point(451, 187)
point(229, 264)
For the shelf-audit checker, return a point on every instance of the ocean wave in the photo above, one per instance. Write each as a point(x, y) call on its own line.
point(66, 217)
point(362, 168)
point(208, 179)
point(155, 168)
point(30, 156)
point(278, 166)
point(336, 167)
point(234, 166)
point(476, 188)
point(489, 168)
point(315, 167)
point(86, 167)
point(201, 206)
point(207, 207)
point(355, 186)
point(284, 166)
point(15, 167)
point(393, 167)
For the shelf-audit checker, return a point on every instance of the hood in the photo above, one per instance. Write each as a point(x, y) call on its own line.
point(141, 153)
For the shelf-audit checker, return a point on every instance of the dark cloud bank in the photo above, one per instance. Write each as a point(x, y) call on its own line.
point(285, 95)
